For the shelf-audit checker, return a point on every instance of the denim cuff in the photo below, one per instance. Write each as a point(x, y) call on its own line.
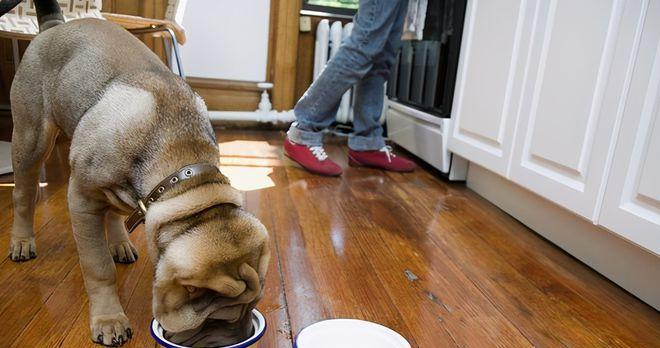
point(362, 143)
point(304, 137)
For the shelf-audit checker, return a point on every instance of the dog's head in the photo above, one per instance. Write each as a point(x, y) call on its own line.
point(211, 258)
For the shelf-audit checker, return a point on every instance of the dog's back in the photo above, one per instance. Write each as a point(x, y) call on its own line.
point(70, 65)
point(101, 86)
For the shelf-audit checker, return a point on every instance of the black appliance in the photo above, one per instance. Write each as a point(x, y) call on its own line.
point(425, 72)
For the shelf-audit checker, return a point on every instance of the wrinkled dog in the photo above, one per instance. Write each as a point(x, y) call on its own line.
point(132, 123)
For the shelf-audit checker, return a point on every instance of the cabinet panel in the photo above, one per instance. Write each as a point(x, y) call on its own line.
point(488, 81)
point(649, 186)
point(579, 68)
point(631, 205)
point(570, 83)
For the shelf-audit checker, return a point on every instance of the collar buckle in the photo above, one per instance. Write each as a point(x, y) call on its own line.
point(143, 208)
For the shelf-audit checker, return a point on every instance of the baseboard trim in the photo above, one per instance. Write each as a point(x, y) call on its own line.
point(631, 267)
point(227, 95)
point(233, 85)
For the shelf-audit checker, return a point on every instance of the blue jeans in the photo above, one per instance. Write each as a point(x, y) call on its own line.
point(364, 60)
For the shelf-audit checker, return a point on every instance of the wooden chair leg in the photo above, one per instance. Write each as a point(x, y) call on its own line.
point(17, 57)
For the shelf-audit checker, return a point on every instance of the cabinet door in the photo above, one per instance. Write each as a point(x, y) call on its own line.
point(488, 81)
point(631, 206)
point(575, 86)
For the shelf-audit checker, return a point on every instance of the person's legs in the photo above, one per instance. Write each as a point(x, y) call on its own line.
point(316, 109)
point(366, 144)
point(370, 91)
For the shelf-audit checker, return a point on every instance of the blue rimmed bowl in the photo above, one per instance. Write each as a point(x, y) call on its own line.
point(258, 323)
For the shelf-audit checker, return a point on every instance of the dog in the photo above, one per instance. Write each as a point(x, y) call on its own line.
point(132, 123)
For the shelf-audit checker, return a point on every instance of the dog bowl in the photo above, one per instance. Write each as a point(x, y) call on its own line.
point(258, 323)
point(341, 333)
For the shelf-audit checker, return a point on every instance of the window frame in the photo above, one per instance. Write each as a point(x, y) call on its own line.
point(306, 6)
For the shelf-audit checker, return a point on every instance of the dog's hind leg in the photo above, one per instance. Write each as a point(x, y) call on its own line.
point(32, 141)
point(121, 248)
point(108, 322)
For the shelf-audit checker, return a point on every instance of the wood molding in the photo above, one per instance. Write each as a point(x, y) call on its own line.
point(283, 51)
point(227, 95)
point(211, 83)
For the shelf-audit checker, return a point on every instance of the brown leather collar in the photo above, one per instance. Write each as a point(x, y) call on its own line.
point(138, 215)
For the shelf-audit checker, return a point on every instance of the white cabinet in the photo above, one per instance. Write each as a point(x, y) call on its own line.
point(488, 81)
point(562, 97)
point(631, 205)
point(580, 62)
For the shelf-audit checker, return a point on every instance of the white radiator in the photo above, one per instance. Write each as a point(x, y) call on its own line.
point(328, 39)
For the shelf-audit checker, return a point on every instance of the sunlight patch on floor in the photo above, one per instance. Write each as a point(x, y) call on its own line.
point(250, 161)
point(11, 184)
point(248, 164)
point(249, 149)
point(248, 178)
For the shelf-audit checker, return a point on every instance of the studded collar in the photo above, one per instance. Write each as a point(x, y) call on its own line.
point(187, 172)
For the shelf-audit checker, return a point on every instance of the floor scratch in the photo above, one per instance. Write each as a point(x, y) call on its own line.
point(410, 275)
point(437, 300)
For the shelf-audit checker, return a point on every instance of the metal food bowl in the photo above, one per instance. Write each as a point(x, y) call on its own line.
point(258, 323)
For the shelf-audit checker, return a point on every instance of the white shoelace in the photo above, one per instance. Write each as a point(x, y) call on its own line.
point(388, 151)
point(318, 152)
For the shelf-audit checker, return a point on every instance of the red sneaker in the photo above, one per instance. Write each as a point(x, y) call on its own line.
point(383, 159)
point(312, 158)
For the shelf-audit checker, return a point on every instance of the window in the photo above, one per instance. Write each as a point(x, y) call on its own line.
point(344, 7)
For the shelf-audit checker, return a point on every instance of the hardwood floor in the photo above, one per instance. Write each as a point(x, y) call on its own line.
point(427, 258)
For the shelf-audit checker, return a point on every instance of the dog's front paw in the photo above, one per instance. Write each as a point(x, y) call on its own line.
point(123, 252)
point(111, 330)
point(22, 249)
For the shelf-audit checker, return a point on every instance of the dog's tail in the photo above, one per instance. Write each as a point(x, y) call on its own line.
point(8, 5)
point(49, 13)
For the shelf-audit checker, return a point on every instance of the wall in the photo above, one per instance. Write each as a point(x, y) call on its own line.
point(226, 39)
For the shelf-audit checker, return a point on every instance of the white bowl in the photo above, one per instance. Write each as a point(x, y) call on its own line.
point(258, 323)
point(341, 333)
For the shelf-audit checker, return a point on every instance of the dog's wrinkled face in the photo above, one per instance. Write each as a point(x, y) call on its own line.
point(211, 266)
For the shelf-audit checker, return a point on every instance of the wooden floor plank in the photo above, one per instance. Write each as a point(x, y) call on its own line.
point(418, 275)
point(133, 280)
point(605, 320)
point(32, 283)
point(346, 281)
point(430, 259)
point(588, 284)
point(547, 312)
point(46, 234)
point(251, 157)
point(53, 322)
